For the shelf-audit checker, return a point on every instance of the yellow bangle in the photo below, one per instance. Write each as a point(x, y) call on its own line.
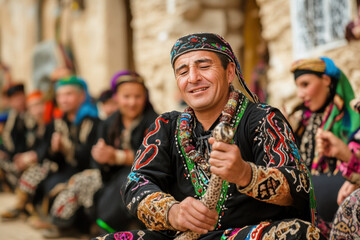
point(254, 178)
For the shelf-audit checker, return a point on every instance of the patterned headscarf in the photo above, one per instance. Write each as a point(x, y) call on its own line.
point(213, 43)
point(338, 117)
point(125, 76)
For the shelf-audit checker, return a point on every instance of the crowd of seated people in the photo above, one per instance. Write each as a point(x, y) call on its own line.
point(67, 156)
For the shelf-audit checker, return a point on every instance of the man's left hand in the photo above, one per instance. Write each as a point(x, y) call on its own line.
point(227, 163)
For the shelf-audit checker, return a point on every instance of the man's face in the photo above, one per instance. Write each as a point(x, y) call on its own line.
point(69, 98)
point(36, 108)
point(202, 81)
point(17, 101)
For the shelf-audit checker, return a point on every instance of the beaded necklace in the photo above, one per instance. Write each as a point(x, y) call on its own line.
point(195, 162)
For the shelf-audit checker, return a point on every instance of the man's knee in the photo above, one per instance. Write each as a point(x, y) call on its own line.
point(291, 229)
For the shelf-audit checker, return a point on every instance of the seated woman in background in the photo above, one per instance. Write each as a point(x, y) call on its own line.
point(346, 224)
point(326, 93)
point(119, 137)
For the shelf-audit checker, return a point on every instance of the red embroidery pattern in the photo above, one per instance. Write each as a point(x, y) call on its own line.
point(280, 144)
point(256, 233)
point(152, 148)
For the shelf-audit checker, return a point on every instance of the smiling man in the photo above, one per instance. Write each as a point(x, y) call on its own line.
point(266, 190)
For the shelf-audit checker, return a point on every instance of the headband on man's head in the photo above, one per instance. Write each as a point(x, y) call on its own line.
point(37, 94)
point(208, 42)
point(125, 76)
point(72, 80)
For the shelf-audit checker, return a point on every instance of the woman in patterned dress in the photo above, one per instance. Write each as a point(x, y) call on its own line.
point(326, 93)
point(98, 189)
point(346, 224)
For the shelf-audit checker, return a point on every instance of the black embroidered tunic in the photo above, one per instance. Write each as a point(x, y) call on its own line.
point(161, 175)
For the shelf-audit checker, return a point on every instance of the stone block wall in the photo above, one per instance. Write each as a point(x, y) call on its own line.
point(97, 35)
point(156, 26)
point(276, 23)
point(18, 31)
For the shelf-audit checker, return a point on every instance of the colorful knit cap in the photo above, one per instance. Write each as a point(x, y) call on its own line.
point(125, 76)
point(213, 43)
point(72, 80)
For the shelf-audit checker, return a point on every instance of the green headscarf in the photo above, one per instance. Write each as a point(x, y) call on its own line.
point(339, 117)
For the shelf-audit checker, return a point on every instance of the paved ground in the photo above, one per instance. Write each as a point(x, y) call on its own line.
point(18, 229)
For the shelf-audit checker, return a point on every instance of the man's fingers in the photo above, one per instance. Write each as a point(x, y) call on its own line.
point(196, 225)
point(211, 140)
point(101, 142)
point(221, 146)
point(196, 216)
point(202, 213)
point(218, 155)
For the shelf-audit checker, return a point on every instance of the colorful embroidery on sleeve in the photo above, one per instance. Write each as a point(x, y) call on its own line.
point(153, 210)
point(270, 186)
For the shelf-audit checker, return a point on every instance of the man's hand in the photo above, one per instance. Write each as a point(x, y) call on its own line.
point(24, 160)
point(227, 163)
point(103, 153)
point(346, 189)
point(331, 146)
point(191, 214)
point(56, 142)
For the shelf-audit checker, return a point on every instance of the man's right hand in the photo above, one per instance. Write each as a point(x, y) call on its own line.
point(193, 215)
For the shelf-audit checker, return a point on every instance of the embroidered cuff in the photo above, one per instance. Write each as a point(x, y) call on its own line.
point(268, 185)
point(351, 169)
point(153, 211)
point(254, 177)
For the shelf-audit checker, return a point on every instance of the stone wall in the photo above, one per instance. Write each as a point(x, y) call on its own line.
point(156, 26)
point(97, 35)
point(18, 31)
point(276, 23)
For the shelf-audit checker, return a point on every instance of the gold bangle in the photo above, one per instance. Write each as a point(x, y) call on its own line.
point(254, 178)
point(167, 214)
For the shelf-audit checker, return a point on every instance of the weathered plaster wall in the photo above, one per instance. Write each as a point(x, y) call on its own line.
point(276, 23)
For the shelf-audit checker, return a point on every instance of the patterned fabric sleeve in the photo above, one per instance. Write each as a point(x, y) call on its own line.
point(279, 176)
point(351, 169)
point(145, 192)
